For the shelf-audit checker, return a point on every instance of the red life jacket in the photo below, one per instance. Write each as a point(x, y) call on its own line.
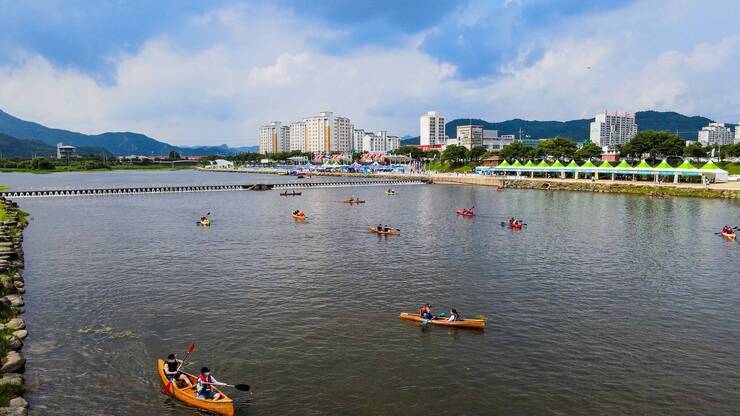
point(206, 382)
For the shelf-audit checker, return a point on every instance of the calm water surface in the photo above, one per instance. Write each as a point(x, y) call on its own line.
point(604, 304)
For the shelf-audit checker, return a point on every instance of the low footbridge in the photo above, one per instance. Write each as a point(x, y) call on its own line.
point(133, 190)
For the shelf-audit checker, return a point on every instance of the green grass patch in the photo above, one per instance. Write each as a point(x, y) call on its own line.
point(9, 391)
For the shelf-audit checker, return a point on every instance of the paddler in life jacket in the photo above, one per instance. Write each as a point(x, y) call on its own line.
point(204, 388)
point(203, 218)
point(172, 371)
point(426, 311)
point(726, 229)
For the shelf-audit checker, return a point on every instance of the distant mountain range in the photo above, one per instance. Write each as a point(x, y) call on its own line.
point(115, 143)
point(578, 130)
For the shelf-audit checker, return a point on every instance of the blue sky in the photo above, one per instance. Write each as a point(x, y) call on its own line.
point(195, 72)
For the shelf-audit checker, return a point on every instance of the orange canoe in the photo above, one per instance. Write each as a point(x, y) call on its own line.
point(222, 406)
point(389, 232)
point(465, 323)
point(299, 217)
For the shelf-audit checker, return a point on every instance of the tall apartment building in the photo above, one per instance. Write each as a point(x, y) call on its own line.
point(392, 143)
point(273, 138)
point(737, 134)
point(326, 133)
point(297, 136)
point(432, 129)
point(357, 135)
point(470, 136)
point(715, 133)
point(611, 129)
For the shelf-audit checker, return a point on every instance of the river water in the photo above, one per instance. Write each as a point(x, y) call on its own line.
point(604, 304)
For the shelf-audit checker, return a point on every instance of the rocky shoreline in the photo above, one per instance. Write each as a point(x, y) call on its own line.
point(13, 328)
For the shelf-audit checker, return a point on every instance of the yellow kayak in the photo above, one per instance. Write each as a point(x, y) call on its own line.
point(729, 236)
point(465, 323)
point(222, 406)
point(299, 217)
point(205, 222)
point(390, 231)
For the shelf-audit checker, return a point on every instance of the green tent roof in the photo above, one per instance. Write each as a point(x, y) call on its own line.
point(572, 164)
point(504, 164)
point(643, 165)
point(529, 164)
point(588, 164)
point(606, 164)
point(557, 164)
point(623, 165)
point(664, 165)
point(709, 166)
point(686, 165)
point(516, 164)
point(543, 164)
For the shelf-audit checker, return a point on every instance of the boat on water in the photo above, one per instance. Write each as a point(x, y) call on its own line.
point(353, 201)
point(299, 217)
point(206, 222)
point(391, 231)
point(223, 406)
point(463, 323)
point(729, 236)
point(465, 213)
point(294, 193)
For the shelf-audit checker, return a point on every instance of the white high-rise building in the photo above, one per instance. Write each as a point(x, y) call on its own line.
point(297, 136)
point(470, 136)
point(611, 129)
point(357, 135)
point(374, 142)
point(715, 133)
point(326, 133)
point(273, 138)
point(737, 134)
point(432, 129)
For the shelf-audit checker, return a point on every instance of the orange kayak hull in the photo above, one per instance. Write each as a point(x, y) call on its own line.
point(299, 217)
point(223, 406)
point(465, 323)
point(389, 232)
point(729, 236)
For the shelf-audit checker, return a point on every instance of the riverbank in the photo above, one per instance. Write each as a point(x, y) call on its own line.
point(12, 328)
point(727, 190)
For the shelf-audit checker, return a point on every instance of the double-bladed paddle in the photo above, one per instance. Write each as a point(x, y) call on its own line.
point(168, 386)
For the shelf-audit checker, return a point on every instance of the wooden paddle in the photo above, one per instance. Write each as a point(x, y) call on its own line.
point(168, 386)
point(242, 387)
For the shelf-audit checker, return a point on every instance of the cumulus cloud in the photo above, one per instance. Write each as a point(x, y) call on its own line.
point(228, 71)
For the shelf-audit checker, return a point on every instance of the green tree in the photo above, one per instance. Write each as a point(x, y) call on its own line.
point(515, 150)
point(656, 144)
point(558, 147)
point(173, 155)
point(455, 154)
point(477, 152)
point(41, 163)
point(588, 150)
point(695, 150)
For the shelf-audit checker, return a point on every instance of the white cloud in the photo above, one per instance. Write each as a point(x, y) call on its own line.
point(237, 68)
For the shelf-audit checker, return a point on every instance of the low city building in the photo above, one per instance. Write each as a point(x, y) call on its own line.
point(221, 164)
point(470, 135)
point(66, 151)
point(493, 142)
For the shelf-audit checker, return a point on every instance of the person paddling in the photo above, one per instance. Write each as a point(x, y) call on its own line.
point(726, 229)
point(426, 311)
point(454, 316)
point(172, 371)
point(204, 388)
